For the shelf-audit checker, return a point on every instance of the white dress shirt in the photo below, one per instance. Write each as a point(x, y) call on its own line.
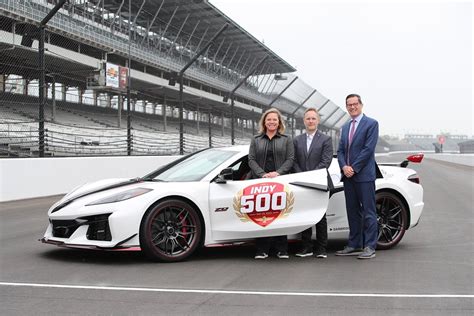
point(309, 140)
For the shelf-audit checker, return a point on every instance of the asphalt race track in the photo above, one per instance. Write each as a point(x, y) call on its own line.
point(431, 272)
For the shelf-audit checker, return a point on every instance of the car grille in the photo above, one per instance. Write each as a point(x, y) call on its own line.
point(64, 228)
point(99, 228)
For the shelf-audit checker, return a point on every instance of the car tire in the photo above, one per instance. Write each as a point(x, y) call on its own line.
point(170, 231)
point(391, 218)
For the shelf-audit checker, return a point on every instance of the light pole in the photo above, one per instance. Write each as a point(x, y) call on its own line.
point(179, 77)
point(41, 95)
point(231, 96)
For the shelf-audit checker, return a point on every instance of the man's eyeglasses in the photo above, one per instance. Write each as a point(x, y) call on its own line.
point(352, 104)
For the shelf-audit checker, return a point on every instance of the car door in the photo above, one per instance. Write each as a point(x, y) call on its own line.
point(336, 214)
point(283, 205)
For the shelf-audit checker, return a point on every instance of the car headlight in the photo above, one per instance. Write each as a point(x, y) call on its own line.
point(122, 196)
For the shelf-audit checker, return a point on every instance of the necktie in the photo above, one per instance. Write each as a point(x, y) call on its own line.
point(351, 135)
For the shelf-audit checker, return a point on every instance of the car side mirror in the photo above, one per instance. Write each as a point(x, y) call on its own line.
point(224, 175)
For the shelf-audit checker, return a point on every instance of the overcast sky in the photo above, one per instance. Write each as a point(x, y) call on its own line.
point(411, 61)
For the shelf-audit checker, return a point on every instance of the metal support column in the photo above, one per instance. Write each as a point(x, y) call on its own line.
point(225, 54)
point(129, 83)
point(209, 122)
point(198, 118)
point(179, 33)
point(253, 122)
point(180, 76)
point(337, 121)
point(266, 82)
point(162, 35)
point(223, 128)
point(136, 16)
point(232, 95)
point(53, 100)
point(112, 24)
point(323, 105)
point(119, 110)
point(80, 94)
point(202, 38)
point(282, 91)
point(190, 36)
point(230, 61)
point(329, 116)
point(64, 89)
point(2, 83)
point(164, 113)
point(218, 49)
point(42, 77)
point(151, 23)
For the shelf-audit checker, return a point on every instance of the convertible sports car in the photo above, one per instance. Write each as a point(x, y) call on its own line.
point(204, 199)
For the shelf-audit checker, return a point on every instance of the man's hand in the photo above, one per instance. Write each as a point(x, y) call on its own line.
point(348, 171)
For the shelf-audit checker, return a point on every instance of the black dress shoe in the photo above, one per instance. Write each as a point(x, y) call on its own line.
point(305, 252)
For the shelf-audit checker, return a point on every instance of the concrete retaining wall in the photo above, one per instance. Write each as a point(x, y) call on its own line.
point(23, 178)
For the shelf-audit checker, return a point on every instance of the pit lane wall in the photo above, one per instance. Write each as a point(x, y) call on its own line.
point(23, 178)
point(460, 159)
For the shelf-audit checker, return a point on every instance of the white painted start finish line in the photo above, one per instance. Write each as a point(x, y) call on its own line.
point(234, 292)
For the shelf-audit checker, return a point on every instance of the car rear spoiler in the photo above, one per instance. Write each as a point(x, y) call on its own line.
point(416, 158)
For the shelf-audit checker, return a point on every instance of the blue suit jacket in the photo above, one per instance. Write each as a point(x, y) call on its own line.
point(319, 155)
point(362, 149)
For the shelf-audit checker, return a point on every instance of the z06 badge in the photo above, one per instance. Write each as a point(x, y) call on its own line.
point(263, 203)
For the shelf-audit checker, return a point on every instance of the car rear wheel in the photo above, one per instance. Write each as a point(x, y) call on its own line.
point(391, 218)
point(170, 231)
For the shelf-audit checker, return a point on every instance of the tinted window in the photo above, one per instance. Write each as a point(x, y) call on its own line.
point(195, 167)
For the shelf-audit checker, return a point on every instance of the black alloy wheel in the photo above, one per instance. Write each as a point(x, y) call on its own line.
point(391, 218)
point(170, 231)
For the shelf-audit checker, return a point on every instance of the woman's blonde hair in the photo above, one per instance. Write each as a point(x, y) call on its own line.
point(261, 123)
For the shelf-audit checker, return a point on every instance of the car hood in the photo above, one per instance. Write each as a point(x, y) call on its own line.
point(90, 188)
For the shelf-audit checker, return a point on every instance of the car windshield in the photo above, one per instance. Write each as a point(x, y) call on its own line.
point(195, 167)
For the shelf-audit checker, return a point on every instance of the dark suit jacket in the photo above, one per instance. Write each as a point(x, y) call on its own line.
point(362, 149)
point(319, 155)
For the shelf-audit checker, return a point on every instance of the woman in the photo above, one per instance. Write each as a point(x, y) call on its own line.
point(271, 154)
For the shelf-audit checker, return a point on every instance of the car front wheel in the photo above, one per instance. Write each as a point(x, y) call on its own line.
point(392, 219)
point(170, 231)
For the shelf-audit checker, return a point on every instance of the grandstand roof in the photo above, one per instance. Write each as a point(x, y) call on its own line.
point(165, 35)
point(194, 23)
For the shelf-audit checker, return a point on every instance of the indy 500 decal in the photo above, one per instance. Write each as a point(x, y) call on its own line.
point(263, 203)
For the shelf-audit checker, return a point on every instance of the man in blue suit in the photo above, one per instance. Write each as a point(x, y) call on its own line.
point(313, 150)
point(356, 157)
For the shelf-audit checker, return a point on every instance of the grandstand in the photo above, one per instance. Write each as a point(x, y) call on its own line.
point(428, 142)
point(87, 130)
point(229, 78)
point(466, 147)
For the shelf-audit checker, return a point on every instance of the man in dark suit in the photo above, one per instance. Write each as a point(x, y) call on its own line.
point(356, 157)
point(313, 150)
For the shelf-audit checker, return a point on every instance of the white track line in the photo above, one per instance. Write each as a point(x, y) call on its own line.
point(234, 292)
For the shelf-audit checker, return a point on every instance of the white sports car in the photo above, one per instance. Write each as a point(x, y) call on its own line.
point(204, 199)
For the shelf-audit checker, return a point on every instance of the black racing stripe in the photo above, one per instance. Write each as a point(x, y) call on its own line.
point(311, 185)
point(335, 190)
point(113, 186)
